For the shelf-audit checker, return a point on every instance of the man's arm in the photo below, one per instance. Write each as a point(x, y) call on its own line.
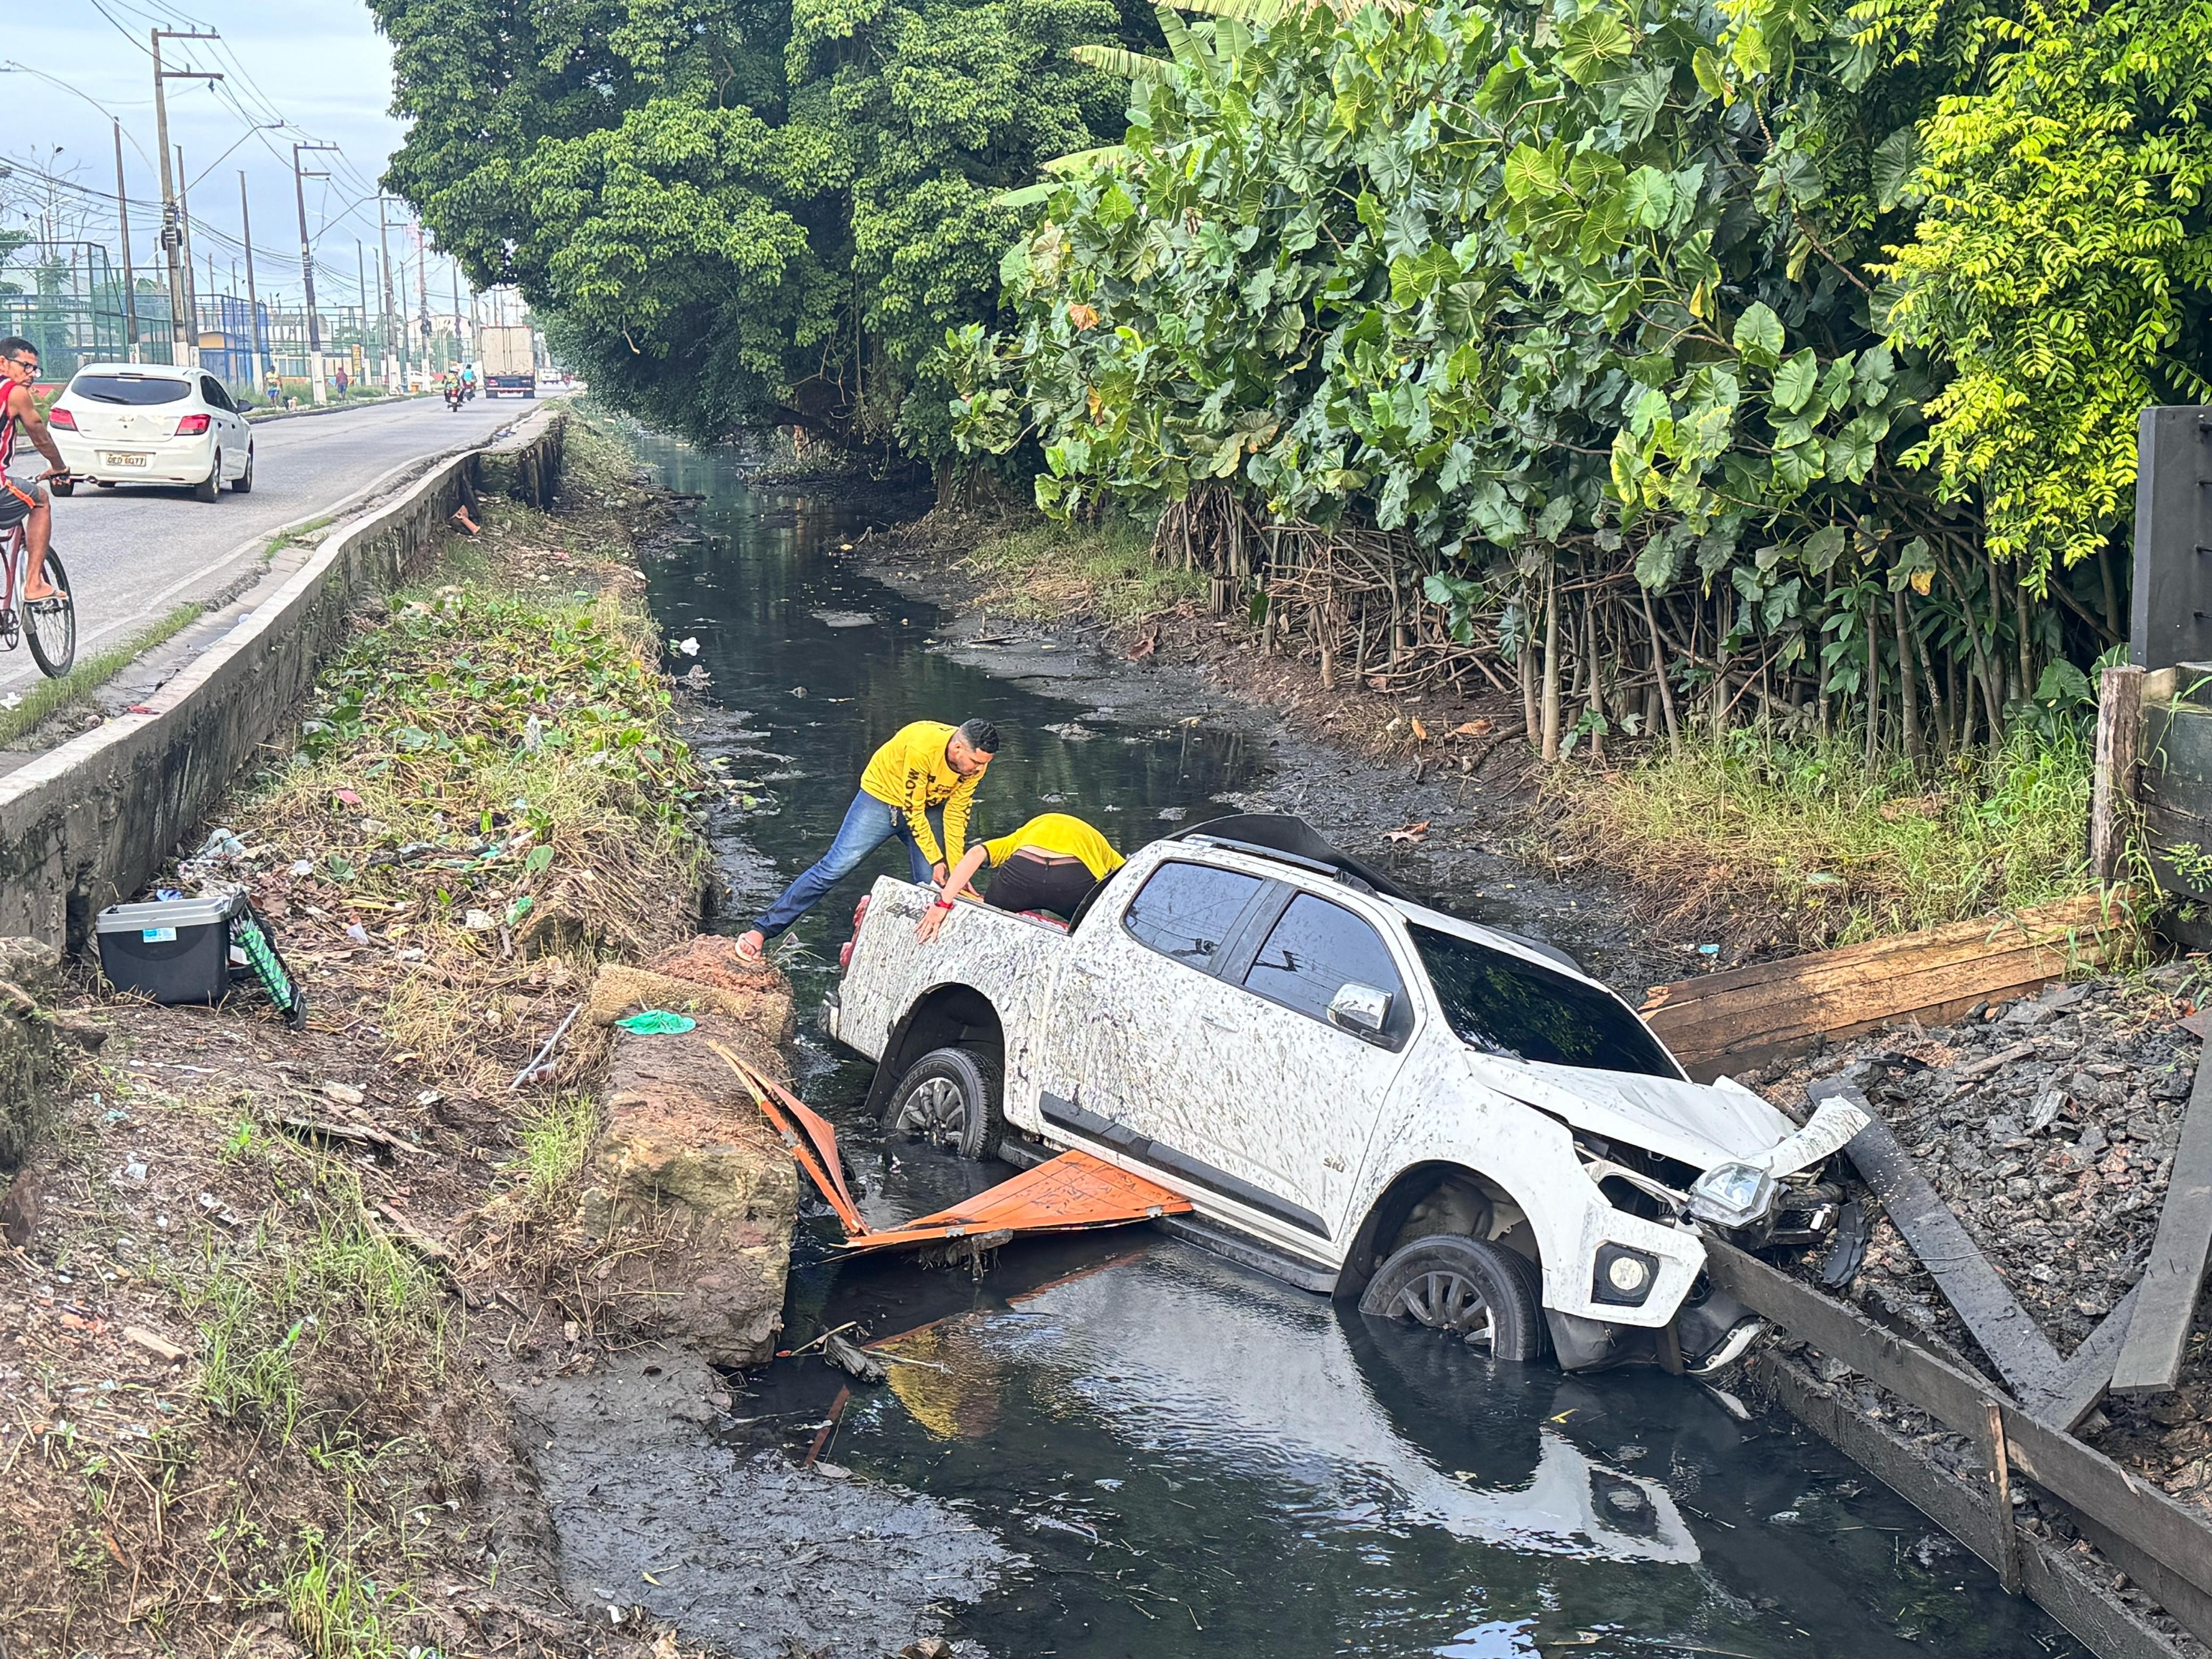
point(32, 425)
point(956, 817)
point(917, 819)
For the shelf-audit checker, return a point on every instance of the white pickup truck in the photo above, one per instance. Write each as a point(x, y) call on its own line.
point(1358, 1094)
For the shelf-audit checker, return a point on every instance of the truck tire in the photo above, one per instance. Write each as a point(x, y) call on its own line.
point(1479, 1291)
point(950, 1098)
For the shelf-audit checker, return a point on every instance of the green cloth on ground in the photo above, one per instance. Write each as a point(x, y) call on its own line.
point(658, 1022)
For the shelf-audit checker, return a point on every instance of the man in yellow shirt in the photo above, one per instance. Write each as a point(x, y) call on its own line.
point(927, 767)
point(1050, 864)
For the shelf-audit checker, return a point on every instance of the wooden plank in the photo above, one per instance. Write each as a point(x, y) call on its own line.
point(2088, 1374)
point(2119, 740)
point(2057, 1580)
point(2007, 1332)
point(1953, 1397)
point(2150, 1359)
point(1780, 1007)
point(2085, 1479)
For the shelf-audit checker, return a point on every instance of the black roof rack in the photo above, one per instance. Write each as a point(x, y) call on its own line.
point(1291, 840)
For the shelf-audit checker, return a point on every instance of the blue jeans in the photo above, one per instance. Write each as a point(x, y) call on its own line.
point(868, 824)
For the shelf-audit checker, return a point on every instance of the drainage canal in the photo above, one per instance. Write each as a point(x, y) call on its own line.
point(1172, 1455)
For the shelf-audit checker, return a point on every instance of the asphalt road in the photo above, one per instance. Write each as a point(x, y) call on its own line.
point(135, 554)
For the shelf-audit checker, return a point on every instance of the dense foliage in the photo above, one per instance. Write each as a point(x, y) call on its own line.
point(742, 211)
point(1837, 325)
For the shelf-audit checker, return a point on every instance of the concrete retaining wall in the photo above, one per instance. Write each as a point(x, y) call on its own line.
point(89, 822)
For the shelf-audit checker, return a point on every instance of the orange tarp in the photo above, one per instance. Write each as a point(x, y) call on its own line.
point(1067, 1194)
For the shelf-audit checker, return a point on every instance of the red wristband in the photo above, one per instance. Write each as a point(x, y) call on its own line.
point(942, 904)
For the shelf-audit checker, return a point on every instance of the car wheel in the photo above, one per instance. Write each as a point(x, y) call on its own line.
point(211, 486)
point(243, 484)
point(950, 1098)
point(1479, 1291)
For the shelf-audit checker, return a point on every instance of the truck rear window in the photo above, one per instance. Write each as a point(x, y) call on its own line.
point(1505, 1005)
point(129, 389)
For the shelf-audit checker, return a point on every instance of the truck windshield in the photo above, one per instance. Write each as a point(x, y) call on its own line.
point(1505, 1005)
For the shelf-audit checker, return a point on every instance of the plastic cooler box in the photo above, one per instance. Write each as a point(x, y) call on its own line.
point(172, 949)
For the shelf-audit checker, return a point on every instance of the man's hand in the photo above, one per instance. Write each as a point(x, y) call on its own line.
point(932, 919)
point(938, 872)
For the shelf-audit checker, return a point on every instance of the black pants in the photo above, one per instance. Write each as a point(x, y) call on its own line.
point(1022, 884)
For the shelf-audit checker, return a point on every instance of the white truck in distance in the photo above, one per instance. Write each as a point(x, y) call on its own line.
point(1360, 1095)
point(507, 355)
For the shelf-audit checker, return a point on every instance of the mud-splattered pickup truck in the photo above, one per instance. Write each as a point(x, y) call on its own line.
point(1362, 1096)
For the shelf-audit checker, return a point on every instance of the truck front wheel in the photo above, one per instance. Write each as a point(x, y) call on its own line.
point(950, 1098)
point(1479, 1291)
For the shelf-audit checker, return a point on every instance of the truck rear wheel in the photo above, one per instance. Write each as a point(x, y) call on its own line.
point(950, 1098)
point(1479, 1291)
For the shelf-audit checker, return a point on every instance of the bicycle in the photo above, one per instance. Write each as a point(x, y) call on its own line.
point(47, 626)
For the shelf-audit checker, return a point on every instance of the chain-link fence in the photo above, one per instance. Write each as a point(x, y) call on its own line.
point(66, 299)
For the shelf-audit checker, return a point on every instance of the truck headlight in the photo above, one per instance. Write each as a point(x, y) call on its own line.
point(1732, 1194)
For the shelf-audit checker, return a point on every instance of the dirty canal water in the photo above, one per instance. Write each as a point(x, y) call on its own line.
point(1154, 1451)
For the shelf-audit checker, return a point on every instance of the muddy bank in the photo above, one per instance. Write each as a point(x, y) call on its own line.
point(667, 1515)
point(260, 1280)
point(1444, 817)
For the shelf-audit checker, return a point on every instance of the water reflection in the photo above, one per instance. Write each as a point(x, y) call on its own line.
point(1275, 1389)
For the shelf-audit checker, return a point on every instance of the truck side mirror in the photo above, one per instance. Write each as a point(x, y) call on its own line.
point(1359, 1008)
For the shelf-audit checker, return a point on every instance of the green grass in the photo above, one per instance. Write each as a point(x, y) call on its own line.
point(284, 538)
point(74, 689)
point(1757, 841)
point(1047, 572)
point(556, 1139)
point(336, 1612)
point(322, 1318)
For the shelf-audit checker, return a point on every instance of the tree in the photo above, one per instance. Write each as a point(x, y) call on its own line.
point(742, 213)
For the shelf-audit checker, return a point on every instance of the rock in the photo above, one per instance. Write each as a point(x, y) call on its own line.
point(344, 1093)
point(20, 1209)
point(688, 1163)
point(2091, 1143)
point(2004, 1130)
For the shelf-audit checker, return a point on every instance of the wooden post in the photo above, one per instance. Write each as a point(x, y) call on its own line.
point(2120, 729)
point(2150, 1360)
point(2007, 1540)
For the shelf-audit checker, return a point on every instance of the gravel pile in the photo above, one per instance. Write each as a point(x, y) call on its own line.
point(2049, 1126)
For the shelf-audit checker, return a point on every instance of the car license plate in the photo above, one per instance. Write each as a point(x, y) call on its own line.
point(115, 460)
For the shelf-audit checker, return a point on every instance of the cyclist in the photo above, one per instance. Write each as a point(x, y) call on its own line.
point(23, 500)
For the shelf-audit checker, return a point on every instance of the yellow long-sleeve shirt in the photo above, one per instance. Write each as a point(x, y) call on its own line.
point(910, 773)
point(1059, 834)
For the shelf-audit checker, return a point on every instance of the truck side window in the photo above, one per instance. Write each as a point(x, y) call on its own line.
point(1186, 910)
point(1315, 951)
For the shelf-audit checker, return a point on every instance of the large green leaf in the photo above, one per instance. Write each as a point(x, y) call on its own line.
point(1592, 43)
point(1758, 335)
point(1118, 60)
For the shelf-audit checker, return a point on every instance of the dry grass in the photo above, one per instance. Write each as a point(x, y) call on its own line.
point(1754, 844)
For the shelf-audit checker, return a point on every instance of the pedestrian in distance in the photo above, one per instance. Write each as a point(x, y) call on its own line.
point(916, 787)
point(1050, 864)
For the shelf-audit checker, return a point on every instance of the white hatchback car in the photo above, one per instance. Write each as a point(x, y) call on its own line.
point(152, 423)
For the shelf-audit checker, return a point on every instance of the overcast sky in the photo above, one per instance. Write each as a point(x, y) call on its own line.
point(317, 64)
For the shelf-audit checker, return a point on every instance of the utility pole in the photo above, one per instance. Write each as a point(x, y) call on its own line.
point(393, 380)
point(307, 270)
point(130, 280)
point(252, 298)
point(460, 346)
point(184, 234)
point(184, 342)
point(422, 298)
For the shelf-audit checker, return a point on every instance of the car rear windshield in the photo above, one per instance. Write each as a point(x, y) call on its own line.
point(129, 389)
point(1505, 1005)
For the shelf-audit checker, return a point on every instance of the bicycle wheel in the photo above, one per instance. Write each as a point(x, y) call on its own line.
point(49, 625)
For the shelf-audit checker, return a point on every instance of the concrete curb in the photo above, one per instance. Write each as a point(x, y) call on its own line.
point(88, 822)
